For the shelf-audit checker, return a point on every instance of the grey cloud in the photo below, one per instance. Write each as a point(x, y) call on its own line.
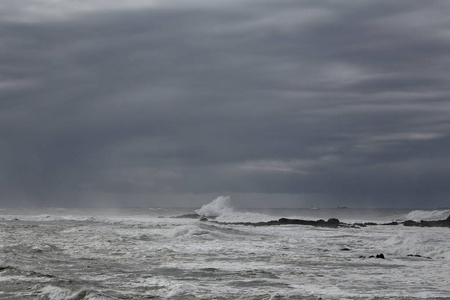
point(175, 100)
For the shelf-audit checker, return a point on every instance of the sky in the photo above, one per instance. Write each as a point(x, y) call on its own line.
point(285, 103)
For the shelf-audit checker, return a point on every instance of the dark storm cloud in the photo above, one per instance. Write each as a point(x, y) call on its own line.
point(325, 102)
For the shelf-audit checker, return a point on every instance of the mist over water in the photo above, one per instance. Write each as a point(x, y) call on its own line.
point(154, 253)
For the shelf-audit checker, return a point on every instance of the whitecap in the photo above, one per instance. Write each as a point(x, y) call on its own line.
point(428, 215)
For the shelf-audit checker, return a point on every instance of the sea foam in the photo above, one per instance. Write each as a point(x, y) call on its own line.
point(222, 210)
point(427, 244)
point(57, 293)
point(219, 206)
point(428, 215)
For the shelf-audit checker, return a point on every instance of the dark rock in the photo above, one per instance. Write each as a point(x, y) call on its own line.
point(417, 255)
point(333, 221)
point(391, 223)
point(439, 223)
point(345, 249)
point(410, 223)
point(381, 255)
point(189, 216)
point(370, 224)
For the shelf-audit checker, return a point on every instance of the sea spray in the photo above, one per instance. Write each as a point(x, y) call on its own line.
point(428, 215)
point(221, 210)
point(219, 206)
point(429, 243)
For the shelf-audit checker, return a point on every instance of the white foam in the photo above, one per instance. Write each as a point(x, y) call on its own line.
point(180, 290)
point(186, 230)
point(217, 207)
point(428, 215)
point(221, 209)
point(57, 293)
point(234, 261)
point(244, 217)
point(430, 243)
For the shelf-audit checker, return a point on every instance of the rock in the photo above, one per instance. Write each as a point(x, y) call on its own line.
point(345, 249)
point(381, 255)
point(333, 221)
point(439, 223)
point(189, 216)
point(370, 224)
point(391, 223)
point(417, 255)
point(410, 223)
point(330, 223)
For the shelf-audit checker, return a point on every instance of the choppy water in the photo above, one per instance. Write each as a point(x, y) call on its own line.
point(147, 254)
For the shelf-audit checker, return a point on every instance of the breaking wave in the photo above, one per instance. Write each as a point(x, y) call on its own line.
point(427, 244)
point(51, 292)
point(57, 293)
point(218, 207)
point(428, 215)
point(221, 210)
point(188, 230)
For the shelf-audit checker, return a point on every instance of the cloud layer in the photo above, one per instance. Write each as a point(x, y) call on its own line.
point(281, 103)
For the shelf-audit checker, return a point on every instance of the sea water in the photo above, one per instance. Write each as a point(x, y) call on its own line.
point(153, 254)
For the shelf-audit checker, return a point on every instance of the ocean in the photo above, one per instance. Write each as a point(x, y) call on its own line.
point(155, 253)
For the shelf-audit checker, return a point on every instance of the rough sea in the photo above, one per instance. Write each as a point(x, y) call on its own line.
point(54, 253)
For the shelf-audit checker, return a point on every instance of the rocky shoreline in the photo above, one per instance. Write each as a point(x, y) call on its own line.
point(330, 223)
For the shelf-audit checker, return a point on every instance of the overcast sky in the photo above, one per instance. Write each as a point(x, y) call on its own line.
point(276, 103)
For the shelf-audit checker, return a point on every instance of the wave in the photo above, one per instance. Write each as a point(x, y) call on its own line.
point(188, 230)
point(52, 292)
point(221, 210)
point(219, 206)
point(57, 293)
point(425, 244)
point(428, 215)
